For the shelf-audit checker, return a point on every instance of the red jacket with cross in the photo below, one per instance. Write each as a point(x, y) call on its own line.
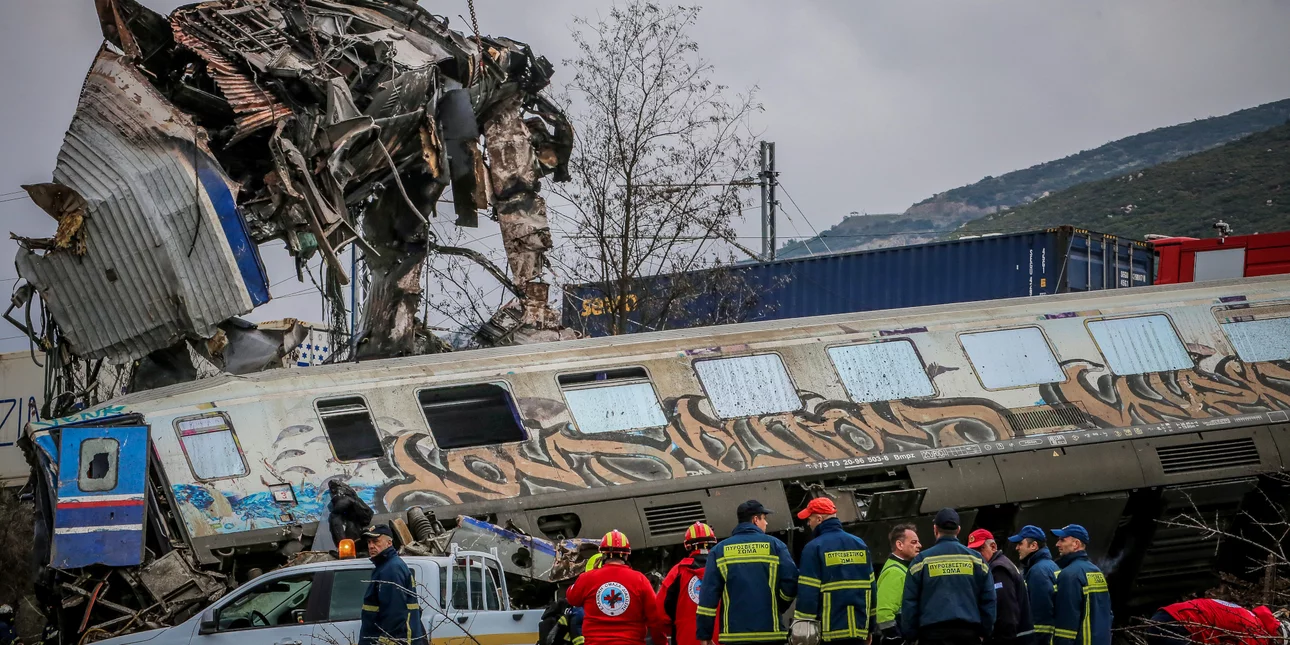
point(619, 606)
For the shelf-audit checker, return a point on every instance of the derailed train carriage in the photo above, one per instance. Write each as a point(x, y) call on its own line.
point(1117, 410)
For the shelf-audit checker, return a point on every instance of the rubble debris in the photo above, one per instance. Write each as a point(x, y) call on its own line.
point(320, 123)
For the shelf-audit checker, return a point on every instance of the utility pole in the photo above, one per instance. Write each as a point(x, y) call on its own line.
point(769, 180)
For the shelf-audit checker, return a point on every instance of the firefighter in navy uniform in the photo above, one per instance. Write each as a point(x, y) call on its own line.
point(618, 603)
point(835, 582)
point(1041, 580)
point(679, 593)
point(1082, 606)
point(949, 595)
point(391, 611)
point(750, 577)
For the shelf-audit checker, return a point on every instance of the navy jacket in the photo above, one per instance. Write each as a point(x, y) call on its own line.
point(752, 574)
point(1012, 604)
point(836, 578)
point(391, 611)
point(1041, 585)
point(1083, 603)
point(948, 583)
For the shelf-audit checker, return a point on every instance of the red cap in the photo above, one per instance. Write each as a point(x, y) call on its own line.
point(821, 505)
point(978, 537)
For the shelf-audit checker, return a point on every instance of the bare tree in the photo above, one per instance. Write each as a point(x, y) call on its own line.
point(658, 158)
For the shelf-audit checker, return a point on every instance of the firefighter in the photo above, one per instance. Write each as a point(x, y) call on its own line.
point(751, 573)
point(1082, 607)
point(1012, 624)
point(835, 581)
point(561, 623)
point(1041, 580)
point(679, 593)
point(891, 582)
point(949, 595)
point(1206, 621)
point(618, 603)
point(8, 631)
point(391, 610)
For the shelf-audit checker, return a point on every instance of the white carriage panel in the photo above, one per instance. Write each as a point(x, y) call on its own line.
point(613, 408)
point(883, 371)
point(1260, 340)
point(745, 386)
point(1140, 345)
point(1012, 358)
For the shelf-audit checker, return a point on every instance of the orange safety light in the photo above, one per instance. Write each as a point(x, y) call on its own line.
point(346, 548)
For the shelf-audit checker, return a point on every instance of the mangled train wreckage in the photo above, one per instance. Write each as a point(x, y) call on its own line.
point(320, 123)
point(1118, 410)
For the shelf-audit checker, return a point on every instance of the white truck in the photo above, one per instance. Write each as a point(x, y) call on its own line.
point(463, 599)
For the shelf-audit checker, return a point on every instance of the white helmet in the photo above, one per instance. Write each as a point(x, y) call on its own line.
point(6, 611)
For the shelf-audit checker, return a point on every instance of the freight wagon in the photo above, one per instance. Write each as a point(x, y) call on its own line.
point(1056, 260)
point(1120, 410)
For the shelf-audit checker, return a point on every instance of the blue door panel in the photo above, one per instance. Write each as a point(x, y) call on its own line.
point(102, 479)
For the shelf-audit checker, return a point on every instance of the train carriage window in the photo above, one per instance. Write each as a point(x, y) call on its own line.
point(1259, 340)
point(746, 386)
point(99, 461)
point(1012, 358)
point(1140, 345)
point(210, 446)
point(465, 416)
point(350, 428)
point(884, 371)
point(612, 400)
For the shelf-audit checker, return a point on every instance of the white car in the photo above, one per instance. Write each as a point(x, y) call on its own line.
point(462, 596)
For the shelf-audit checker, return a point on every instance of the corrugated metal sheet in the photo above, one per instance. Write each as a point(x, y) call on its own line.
point(255, 107)
point(165, 257)
point(1004, 266)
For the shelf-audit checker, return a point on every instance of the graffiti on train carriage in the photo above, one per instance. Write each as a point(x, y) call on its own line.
point(557, 457)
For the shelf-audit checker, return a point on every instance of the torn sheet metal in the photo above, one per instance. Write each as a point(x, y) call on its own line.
point(520, 554)
point(167, 254)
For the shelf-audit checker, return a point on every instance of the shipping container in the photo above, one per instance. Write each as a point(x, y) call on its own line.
point(1056, 260)
point(1187, 259)
point(22, 392)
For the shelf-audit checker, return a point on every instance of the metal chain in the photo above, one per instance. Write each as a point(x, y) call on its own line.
point(479, 42)
point(313, 37)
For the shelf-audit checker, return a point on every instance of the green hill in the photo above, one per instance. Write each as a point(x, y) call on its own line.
point(939, 215)
point(1245, 183)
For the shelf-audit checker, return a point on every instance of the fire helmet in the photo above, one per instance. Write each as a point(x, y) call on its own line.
point(615, 543)
point(699, 536)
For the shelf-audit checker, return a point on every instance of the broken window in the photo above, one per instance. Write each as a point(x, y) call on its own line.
point(612, 400)
point(747, 386)
point(463, 416)
point(1012, 358)
point(98, 465)
point(1259, 340)
point(1140, 345)
point(210, 446)
point(350, 428)
point(884, 371)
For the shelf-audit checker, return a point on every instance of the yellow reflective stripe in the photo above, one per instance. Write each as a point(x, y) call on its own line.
point(847, 584)
point(1044, 629)
point(579, 640)
point(747, 559)
point(797, 615)
point(751, 636)
point(1064, 633)
point(704, 611)
point(808, 581)
point(413, 605)
point(371, 608)
point(1088, 617)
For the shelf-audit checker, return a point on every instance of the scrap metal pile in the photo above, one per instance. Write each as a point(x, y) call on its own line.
point(321, 123)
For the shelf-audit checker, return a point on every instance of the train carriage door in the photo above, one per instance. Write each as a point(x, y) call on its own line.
point(98, 516)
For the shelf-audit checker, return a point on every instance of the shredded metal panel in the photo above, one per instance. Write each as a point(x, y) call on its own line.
point(156, 266)
point(1211, 455)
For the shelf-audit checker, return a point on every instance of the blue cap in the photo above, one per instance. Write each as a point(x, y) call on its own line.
point(947, 519)
point(1072, 530)
point(1029, 531)
point(377, 531)
point(750, 509)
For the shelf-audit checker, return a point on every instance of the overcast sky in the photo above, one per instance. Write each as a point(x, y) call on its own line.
point(872, 105)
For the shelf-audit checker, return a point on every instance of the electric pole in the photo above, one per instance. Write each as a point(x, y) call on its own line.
point(768, 180)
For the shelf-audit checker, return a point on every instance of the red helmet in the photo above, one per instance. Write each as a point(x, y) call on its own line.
point(698, 536)
point(615, 543)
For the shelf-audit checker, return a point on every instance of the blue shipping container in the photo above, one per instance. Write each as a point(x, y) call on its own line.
point(1056, 260)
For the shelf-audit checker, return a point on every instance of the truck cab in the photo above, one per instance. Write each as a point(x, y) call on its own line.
point(463, 598)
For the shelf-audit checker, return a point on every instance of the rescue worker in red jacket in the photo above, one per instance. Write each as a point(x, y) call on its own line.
point(618, 603)
point(679, 594)
point(1206, 621)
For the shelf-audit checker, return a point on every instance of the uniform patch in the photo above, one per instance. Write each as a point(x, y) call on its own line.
point(756, 548)
point(951, 568)
point(693, 589)
point(1095, 578)
point(836, 558)
point(612, 599)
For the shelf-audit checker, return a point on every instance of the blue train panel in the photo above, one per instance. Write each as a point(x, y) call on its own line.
point(99, 512)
